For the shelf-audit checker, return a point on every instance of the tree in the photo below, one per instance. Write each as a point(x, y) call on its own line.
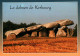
point(32, 24)
point(75, 30)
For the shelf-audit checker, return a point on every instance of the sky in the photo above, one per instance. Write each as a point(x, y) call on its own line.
point(59, 11)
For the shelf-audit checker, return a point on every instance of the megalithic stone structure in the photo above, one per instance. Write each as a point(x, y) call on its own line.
point(59, 23)
point(16, 32)
point(47, 26)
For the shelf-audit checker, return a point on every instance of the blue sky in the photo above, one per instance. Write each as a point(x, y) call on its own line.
point(59, 11)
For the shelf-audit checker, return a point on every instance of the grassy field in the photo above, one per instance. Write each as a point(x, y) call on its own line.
point(40, 45)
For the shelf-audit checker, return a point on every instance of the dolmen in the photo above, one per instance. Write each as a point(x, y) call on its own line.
point(53, 29)
point(12, 33)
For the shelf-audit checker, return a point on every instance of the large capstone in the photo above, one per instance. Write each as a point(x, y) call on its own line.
point(50, 25)
point(65, 22)
point(33, 28)
point(16, 32)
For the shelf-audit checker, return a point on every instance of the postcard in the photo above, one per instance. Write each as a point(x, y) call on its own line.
point(40, 27)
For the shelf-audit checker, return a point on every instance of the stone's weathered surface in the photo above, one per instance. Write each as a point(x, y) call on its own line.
point(11, 37)
point(16, 32)
point(35, 27)
point(61, 33)
point(65, 22)
point(59, 23)
point(51, 33)
point(50, 25)
point(34, 34)
point(65, 31)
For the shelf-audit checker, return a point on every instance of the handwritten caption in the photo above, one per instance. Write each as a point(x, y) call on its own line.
point(30, 7)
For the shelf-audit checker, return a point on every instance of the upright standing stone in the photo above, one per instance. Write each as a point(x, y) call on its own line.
point(61, 33)
point(11, 37)
point(26, 35)
point(51, 33)
point(40, 34)
point(34, 34)
point(44, 34)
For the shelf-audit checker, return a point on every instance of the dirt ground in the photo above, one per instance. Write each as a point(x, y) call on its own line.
point(40, 45)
